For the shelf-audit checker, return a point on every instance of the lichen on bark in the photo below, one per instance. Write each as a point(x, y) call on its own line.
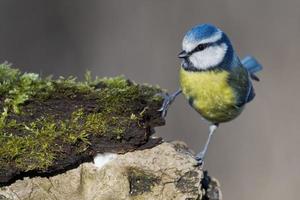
point(49, 125)
point(140, 181)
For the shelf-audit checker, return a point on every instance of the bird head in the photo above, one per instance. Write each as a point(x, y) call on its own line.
point(205, 46)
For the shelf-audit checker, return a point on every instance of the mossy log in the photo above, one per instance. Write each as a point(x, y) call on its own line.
point(48, 126)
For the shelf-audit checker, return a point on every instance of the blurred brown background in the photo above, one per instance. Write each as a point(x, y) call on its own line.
point(257, 156)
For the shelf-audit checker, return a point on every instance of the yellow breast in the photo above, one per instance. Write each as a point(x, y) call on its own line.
point(210, 94)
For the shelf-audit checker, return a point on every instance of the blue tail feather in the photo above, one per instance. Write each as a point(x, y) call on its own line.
point(251, 64)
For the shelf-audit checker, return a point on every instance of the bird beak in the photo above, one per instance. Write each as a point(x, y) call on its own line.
point(183, 54)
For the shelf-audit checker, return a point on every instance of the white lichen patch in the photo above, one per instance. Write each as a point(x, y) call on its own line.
point(102, 159)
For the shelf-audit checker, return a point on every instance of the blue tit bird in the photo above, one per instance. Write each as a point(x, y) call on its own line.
point(213, 79)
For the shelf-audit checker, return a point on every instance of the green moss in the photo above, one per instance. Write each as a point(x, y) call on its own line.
point(30, 151)
point(39, 117)
point(18, 87)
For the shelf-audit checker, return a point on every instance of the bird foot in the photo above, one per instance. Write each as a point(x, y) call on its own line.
point(199, 159)
point(168, 99)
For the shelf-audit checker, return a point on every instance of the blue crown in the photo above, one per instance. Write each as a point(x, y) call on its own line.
point(201, 32)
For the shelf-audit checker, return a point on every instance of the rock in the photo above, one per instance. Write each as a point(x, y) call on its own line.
point(165, 172)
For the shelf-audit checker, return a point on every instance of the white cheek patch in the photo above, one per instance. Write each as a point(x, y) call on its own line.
point(209, 57)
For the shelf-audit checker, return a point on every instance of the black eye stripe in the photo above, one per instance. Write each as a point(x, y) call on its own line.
point(200, 47)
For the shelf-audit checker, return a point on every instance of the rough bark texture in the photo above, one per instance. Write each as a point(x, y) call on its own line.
point(164, 172)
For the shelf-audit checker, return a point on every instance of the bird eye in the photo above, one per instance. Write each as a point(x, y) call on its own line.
point(200, 47)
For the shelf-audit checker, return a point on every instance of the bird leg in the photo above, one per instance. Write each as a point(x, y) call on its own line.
point(200, 156)
point(168, 99)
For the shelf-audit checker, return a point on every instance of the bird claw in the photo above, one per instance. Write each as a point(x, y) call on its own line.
point(168, 99)
point(199, 159)
point(199, 163)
